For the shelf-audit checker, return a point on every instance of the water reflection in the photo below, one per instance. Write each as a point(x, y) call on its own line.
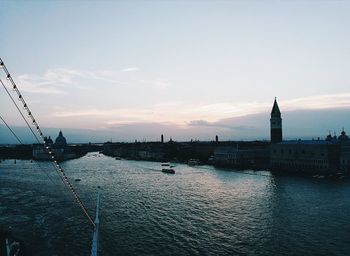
point(199, 210)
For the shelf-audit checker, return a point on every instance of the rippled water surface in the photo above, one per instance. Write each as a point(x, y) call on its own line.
point(197, 211)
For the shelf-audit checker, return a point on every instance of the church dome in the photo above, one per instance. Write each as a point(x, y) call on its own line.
point(343, 136)
point(49, 141)
point(329, 137)
point(60, 141)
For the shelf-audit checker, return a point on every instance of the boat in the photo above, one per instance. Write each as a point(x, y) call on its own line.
point(168, 170)
point(165, 164)
point(192, 162)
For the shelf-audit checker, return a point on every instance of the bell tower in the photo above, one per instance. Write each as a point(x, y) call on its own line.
point(276, 124)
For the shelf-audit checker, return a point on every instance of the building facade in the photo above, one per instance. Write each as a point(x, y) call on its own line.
point(241, 158)
point(59, 148)
point(315, 156)
point(328, 156)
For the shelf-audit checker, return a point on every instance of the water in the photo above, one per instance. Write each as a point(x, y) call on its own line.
point(197, 211)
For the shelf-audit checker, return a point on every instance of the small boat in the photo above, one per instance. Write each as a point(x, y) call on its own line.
point(168, 170)
point(77, 179)
point(165, 164)
point(193, 162)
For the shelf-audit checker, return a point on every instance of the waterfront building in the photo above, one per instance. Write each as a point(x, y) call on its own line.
point(305, 156)
point(344, 142)
point(39, 152)
point(60, 149)
point(49, 141)
point(60, 146)
point(345, 161)
point(241, 158)
point(60, 141)
point(331, 155)
point(151, 154)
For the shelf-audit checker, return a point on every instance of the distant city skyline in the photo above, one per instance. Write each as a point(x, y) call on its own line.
point(134, 70)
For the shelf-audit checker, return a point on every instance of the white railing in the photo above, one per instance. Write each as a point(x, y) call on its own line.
point(97, 222)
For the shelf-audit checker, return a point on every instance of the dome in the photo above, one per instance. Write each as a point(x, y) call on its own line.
point(60, 141)
point(49, 141)
point(329, 137)
point(343, 136)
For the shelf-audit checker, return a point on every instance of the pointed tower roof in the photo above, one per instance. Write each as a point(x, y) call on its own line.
point(275, 110)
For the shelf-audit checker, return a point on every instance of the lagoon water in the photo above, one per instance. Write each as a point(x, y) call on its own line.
point(200, 210)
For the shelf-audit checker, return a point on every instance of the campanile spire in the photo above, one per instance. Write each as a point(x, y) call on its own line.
point(276, 123)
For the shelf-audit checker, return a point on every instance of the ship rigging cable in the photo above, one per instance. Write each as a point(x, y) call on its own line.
point(18, 108)
point(14, 134)
point(40, 168)
point(55, 163)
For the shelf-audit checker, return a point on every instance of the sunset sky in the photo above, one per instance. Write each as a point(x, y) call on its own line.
point(130, 70)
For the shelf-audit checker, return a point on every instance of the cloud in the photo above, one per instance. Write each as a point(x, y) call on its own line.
point(219, 124)
point(108, 117)
point(194, 114)
point(170, 112)
point(199, 123)
point(160, 83)
point(129, 69)
point(229, 109)
point(326, 101)
point(59, 80)
point(157, 83)
point(130, 124)
point(303, 124)
point(216, 111)
point(62, 80)
point(45, 85)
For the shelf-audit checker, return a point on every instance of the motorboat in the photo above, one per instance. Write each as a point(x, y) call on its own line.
point(168, 170)
point(192, 162)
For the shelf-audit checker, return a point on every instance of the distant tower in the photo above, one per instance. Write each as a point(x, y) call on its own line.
point(276, 124)
point(216, 138)
point(162, 138)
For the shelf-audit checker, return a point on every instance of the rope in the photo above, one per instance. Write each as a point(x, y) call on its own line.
point(20, 142)
point(55, 163)
point(40, 168)
point(14, 134)
point(20, 111)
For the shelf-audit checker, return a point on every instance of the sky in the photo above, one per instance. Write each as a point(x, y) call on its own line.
point(126, 70)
